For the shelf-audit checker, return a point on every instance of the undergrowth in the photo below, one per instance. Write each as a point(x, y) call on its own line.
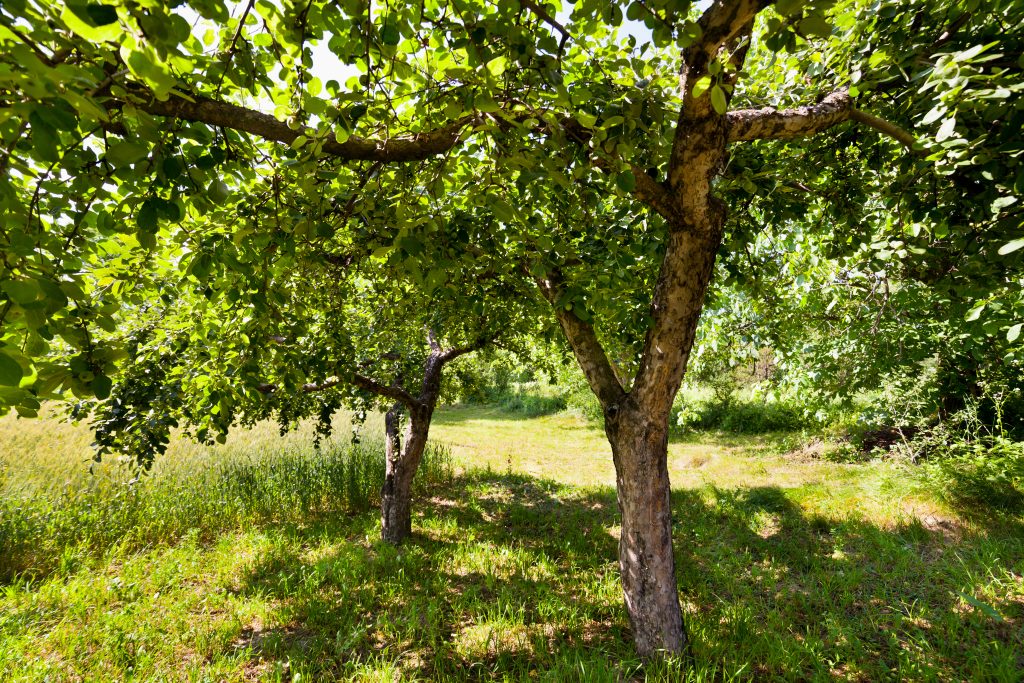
point(44, 531)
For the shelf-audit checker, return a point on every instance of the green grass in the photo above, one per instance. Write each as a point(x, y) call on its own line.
point(790, 568)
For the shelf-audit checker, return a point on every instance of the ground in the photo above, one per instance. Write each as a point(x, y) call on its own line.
point(790, 567)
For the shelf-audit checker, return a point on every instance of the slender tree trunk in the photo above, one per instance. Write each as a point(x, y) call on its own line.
point(640, 451)
point(403, 456)
point(403, 459)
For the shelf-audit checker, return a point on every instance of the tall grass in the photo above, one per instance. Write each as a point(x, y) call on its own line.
point(46, 527)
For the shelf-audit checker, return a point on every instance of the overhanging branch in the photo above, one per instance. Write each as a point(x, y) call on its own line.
point(365, 383)
point(904, 137)
point(393, 392)
point(411, 147)
point(774, 124)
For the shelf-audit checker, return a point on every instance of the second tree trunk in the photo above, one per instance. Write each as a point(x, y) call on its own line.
point(402, 460)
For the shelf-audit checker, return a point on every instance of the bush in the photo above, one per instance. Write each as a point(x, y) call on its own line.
point(743, 416)
point(970, 458)
point(532, 404)
point(988, 472)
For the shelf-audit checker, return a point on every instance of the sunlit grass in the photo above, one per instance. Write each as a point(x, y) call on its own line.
point(267, 565)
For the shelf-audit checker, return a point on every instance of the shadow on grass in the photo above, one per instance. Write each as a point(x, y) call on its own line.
point(513, 578)
point(467, 412)
point(767, 442)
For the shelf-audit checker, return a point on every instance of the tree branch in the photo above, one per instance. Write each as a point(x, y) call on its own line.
point(310, 388)
point(884, 127)
point(365, 383)
point(413, 147)
point(543, 15)
point(453, 353)
point(585, 345)
point(837, 107)
point(721, 23)
point(393, 392)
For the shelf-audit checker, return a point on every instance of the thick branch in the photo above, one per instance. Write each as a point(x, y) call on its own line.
point(413, 147)
point(675, 310)
point(393, 392)
point(720, 24)
point(453, 353)
point(774, 124)
point(837, 107)
point(585, 345)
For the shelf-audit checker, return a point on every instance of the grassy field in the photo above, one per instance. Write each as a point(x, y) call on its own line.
point(259, 560)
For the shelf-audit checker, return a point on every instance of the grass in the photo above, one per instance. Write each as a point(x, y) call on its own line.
point(790, 568)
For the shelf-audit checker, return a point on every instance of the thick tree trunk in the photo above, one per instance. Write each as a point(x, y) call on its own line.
point(640, 451)
point(403, 459)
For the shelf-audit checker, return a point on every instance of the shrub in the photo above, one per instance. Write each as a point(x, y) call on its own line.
point(532, 404)
point(988, 472)
point(970, 458)
point(743, 416)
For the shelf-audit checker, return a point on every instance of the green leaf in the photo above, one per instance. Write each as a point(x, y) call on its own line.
point(503, 211)
point(44, 138)
point(815, 26)
point(946, 130)
point(718, 99)
point(10, 371)
point(147, 217)
point(390, 34)
point(101, 386)
point(22, 292)
point(787, 7)
point(985, 608)
point(975, 312)
point(1011, 247)
point(122, 154)
point(101, 15)
point(81, 23)
point(701, 86)
point(173, 167)
point(626, 181)
point(1003, 202)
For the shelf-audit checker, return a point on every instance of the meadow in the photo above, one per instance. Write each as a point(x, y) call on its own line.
point(260, 560)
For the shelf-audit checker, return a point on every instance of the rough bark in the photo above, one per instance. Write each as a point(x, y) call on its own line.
point(403, 457)
point(646, 562)
point(835, 108)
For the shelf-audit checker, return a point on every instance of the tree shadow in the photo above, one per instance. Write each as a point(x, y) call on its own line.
point(512, 577)
point(463, 413)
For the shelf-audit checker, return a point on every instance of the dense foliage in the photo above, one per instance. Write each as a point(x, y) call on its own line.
point(195, 199)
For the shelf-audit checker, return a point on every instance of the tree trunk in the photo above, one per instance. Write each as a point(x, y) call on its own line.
point(640, 451)
point(402, 461)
